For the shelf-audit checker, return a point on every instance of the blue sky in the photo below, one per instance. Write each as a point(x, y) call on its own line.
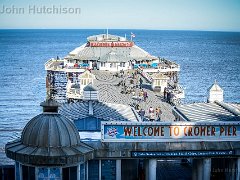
point(216, 15)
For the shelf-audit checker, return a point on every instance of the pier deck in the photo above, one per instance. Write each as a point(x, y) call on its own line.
point(110, 91)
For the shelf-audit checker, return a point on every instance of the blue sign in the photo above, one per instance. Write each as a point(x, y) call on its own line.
point(143, 154)
point(168, 132)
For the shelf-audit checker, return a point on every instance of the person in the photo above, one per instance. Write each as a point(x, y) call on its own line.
point(141, 94)
point(165, 92)
point(151, 114)
point(168, 96)
point(137, 107)
point(145, 95)
point(76, 65)
point(128, 74)
point(158, 113)
point(140, 85)
point(142, 113)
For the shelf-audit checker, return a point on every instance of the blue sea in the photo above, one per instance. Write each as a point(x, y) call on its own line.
point(203, 57)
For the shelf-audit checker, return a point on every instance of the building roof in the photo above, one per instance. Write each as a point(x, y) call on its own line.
point(87, 75)
point(235, 105)
point(215, 87)
point(207, 112)
point(48, 139)
point(110, 54)
point(50, 130)
point(101, 110)
point(106, 37)
point(89, 87)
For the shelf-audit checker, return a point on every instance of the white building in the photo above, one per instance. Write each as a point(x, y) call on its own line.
point(215, 93)
point(108, 52)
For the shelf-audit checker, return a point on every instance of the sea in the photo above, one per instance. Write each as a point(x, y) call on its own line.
point(203, 57)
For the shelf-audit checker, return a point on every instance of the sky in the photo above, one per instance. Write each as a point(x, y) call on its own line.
point(210, 15)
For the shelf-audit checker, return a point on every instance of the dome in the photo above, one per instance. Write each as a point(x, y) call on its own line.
point(49, 139)
point(50, 130)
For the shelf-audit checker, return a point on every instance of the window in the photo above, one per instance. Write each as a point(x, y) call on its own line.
point(28, 172)
point(93, 170)
point(88, 124)
point(48, 173)
point(17, 168)
point(108, 169)
point(82, 171)
point(69, 173)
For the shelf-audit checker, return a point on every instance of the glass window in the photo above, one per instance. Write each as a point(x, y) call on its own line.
point(69, 173)
point(108, 169)
point(17, 171)
point(28, 173)
point(54, 173)
point(88, 124)
point(93, 170)
point(48, 173)
point(82, 171)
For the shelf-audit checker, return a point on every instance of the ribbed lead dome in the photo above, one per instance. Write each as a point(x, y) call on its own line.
point(49, 139)
point(50, 130)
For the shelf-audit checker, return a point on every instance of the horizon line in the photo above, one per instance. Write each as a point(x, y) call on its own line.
point(145, 29)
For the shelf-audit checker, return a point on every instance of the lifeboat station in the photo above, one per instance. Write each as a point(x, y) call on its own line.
point(99, 124)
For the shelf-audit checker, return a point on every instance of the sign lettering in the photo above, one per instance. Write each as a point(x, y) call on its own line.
point(111, 44)
point(162, 132)
point(167, 154)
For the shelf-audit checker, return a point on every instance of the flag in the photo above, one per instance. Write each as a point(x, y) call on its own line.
point(132, 35)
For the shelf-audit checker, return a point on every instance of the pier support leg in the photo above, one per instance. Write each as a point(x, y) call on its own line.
point(199, 169)
point(206, 168)
point(118, 169)
point(152, 169)
point(238, 169)
point(100, 169)
point(146, 164)
point(194, 169)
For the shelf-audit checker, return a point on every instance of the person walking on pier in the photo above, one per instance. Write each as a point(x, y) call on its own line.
point(145, 95)
point(165, 93)
point(151, 114)
point(168, 97)
point(140, 83)
point(158, 113)
point(142, 114)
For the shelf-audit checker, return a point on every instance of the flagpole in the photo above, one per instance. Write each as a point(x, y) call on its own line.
point(107, 33)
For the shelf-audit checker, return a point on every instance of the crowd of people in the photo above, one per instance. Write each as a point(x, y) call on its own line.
point(135, 87)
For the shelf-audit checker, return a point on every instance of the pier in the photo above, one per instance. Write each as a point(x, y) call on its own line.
point(109, 91)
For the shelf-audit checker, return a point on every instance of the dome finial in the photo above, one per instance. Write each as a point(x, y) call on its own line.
point(50, 105)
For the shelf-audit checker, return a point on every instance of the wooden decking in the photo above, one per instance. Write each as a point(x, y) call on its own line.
point(110, 91)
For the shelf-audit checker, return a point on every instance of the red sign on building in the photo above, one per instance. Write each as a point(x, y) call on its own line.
point(111, 44)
